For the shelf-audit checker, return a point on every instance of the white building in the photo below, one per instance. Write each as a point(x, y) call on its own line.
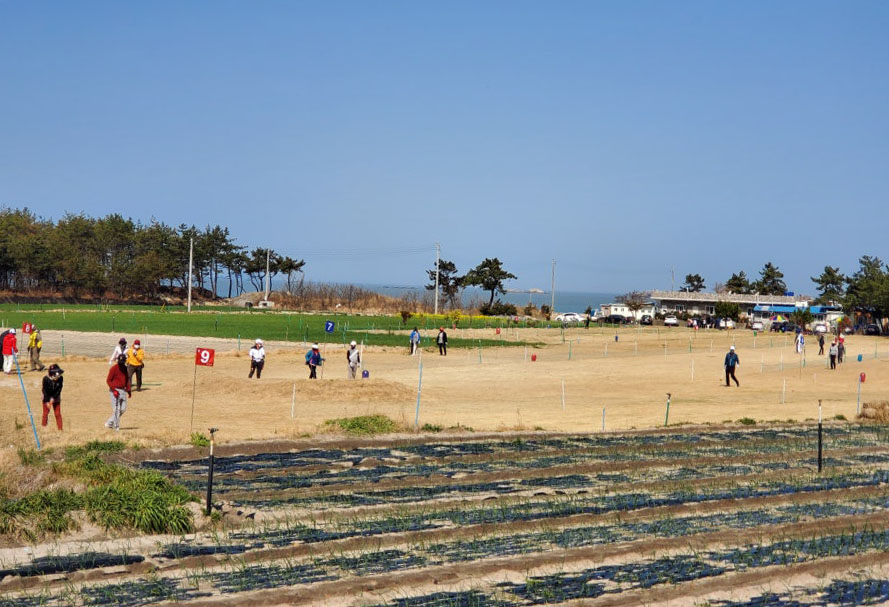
point(704, 304)
point(621, 308)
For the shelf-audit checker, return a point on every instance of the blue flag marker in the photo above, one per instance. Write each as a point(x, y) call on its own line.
point(329, 326)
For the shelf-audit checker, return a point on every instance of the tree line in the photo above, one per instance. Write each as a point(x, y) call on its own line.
point(85, 256)
point(865, 290)
point(489, 276)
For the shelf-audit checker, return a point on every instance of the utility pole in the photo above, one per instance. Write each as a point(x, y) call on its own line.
point(190, 262)
point(552, 302)
point(672, 279)
point(437, 259)
point(268, 253)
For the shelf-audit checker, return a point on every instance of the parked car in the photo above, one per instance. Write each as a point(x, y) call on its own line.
point(570, 317)
point(726, 323)
point(756, 325)
point(616, 319)
point(785, 327)
point(671, 321)
point(872, 329)
point(820, 327)
point(646, 319)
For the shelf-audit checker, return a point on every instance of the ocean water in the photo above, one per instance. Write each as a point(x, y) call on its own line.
point(566, 301)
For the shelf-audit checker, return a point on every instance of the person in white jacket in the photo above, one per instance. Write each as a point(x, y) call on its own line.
point(257, 359)
point(353, 356)
point(120, 348)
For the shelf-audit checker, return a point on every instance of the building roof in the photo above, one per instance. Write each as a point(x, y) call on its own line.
point(752, 298)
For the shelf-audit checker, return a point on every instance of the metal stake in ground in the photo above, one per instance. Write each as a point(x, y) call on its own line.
point(213, 432)
point(203, 357)
point(667, 414)
point(819, 435)
point(419, 391)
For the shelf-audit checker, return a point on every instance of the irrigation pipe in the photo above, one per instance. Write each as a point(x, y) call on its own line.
point(25, 394)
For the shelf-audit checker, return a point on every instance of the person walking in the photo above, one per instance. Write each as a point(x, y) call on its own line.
point(35, 344)
point(353, 357)
point(313, 361)
point(120, 348)
point(821, 344)
point(841, 349)
point(52, 393)
point(442, 341)
point(135, 364)
point(833, 352)
point(415, 341)
point(731, 361)
point(10, 351)
point(257, 359)
point(120, 388)
point(800, 342)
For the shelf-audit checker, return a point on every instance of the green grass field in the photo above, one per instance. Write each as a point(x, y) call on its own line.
point(213, 322)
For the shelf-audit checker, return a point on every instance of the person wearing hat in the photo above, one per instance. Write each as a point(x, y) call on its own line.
point(257, 359)
point(442, 341)
point(35, 344)
point(120, 388)
point(9, 352)
point(52, 393)
point(135, 364)
point(120, 348)
point(731, 361)
point(353, 357)
point(313, 360)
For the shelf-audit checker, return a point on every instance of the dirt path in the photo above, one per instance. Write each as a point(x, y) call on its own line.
point(629, 379)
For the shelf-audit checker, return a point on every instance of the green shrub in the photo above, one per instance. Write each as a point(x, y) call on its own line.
point(840, 417)
point(363, 425)
point(31, 457)
point(199, 440)
point(747, 421)
point(431, 428)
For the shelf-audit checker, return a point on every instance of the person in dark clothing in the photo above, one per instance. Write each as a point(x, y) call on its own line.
point(731, 361)
point(442, 341)
point(834, 350)
point(821, 344)
point(52, 393)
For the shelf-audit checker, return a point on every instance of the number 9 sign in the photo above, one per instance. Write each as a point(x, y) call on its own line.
point(204, 357)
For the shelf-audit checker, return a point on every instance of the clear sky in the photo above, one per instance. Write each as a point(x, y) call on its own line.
point(620, 138)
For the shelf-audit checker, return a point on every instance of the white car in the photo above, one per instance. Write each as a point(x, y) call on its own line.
point(756, 325)
point(726, 323)
point(570, 317)
point(671, 321)
point(819, 328)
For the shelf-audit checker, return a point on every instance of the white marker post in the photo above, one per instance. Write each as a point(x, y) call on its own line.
point(203, 357)
point(603, 419)
point(419, 391)
point(293, 402)
point(563, 395)
point(783, 390)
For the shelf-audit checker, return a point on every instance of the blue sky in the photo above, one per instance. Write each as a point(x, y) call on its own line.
point(620, 138)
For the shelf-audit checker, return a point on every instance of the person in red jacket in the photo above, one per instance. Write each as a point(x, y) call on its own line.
point(9, 351)
point(119, 386)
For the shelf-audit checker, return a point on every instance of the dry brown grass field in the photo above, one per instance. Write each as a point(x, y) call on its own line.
point(495, 389)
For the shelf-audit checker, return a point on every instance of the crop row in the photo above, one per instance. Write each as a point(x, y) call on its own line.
point(483, 547)
point(723, 443)
point(536, 590)
point(256, 493)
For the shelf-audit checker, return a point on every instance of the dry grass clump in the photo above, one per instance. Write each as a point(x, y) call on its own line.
point(875, 412)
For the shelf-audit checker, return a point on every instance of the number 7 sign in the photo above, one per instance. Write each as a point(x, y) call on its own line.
point(204, 357)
